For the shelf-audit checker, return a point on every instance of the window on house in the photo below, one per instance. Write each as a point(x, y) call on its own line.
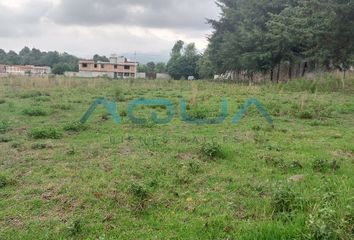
point(126, 67)
point(102, 65)
point(84, 65)
point(115, 66)
point(126, 74)
point(95, 65)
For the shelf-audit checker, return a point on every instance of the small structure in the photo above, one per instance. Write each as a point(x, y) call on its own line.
point(2, 69)
point(27, 70)
point(117, 67)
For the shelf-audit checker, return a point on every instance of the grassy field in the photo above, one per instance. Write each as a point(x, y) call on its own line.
point(63, 180)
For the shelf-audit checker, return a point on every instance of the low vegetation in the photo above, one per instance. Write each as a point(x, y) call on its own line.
point(60, 179)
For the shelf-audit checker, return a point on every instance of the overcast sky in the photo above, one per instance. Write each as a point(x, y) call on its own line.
point(85, 27)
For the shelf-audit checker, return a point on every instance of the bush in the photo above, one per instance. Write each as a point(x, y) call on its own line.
point(320, 165)
point(306, 115)
point(119, 95)
point(75, 127)
point(35, 112)
point(40, 146)
point(284, 200)
point(2, 101)
point(211, 150)
point(45, 133)
point(33, 94)
point(5, 139)
point(139, 192)
point(3, 181)
point(4, 126)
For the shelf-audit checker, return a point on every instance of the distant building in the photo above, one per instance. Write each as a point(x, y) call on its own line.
point(117, 67)
point(2, 69)
point(27, 70)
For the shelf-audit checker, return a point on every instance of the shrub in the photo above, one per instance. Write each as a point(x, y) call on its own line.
point(199, 113)
point(5, 139)
point(139, 192)
point(62, 107)
point(211, 150)
point(306, 115)
point(75, 127)
point(33, 94)
point(35, 112)
point(40, 146)
point(45, 133)
point(4, 126)
point(75, 228)
point(119, 95)
point(3, 181)
point(284, 200)
point(324, 224)
point(320, 165)
point(2, 101)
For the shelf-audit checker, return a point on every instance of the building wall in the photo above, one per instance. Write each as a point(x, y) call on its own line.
point(119, 70)
point(28, 69)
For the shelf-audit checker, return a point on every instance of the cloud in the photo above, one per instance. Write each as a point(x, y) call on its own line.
point(171, 14)
point(85, 27)
point(22, 19)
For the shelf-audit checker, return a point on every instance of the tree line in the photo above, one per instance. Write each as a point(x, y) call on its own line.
point(59, 62)
point(260, 36)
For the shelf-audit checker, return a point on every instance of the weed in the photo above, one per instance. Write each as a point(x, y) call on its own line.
point(284, 200)
point(34, 112)
point(211, 150)
point(119, 95)
point(63, 107)
point(305, 115)
point(45, 133)
point(40, 146)
point(75, 127)
point(33, 94)
point(75, 228)
point(4, 126)
point(324, 224)
point(5, 139)
point(139, 192)
point(296, 165)
point(199, 113)
point(320, 165)
point(4, 181)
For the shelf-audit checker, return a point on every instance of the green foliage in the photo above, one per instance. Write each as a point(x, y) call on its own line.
point(4, 126)
point(119, 95)
point(33, 94)
point(320, 165)
point(284, 200)
point(3, 181)
point(75, 228)
point(45, 133)
point(35, 57)
point(75, 127)
point(139, 192)
point(183, 61)
point(34, 112)
point(2, 101)
point(211, 150)
point(257, 36)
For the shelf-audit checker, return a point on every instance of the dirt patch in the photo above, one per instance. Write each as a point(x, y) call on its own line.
point(186, 156)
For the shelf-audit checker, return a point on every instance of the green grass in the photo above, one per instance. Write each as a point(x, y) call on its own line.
point(63, 180)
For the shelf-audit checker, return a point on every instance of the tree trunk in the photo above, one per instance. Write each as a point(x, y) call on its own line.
point(343, 80)
point(278, 73)
point(304, 70)
point(290, 70)
point(271, 74)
